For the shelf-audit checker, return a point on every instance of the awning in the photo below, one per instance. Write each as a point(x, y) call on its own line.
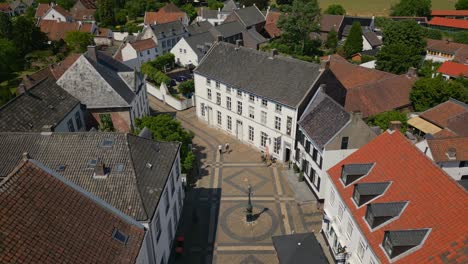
point(423, 126)
point(299, 249)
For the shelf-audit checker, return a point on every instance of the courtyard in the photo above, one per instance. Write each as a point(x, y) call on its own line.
point(213, 219)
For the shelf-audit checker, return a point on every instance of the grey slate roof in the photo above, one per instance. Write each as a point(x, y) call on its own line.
point(135, 189)
point(45, 104)
point(201, 43)
point(323, 118)
point(357, 169)
point(209, 14)
point(281, 79)
point(250, 16)
point(227, 29)
point(165, 30)
point(199, 27)
point(102, 83)
point(407, 237)
point(299, 249)
point(372, 38)
point(463, 183)
point(229, 6)
point(371, 188)
point(255, 36)
point(387, 209)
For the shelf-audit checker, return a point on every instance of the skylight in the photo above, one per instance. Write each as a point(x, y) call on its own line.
point(119, 167)
point(92, 163)
point(107, 143)
point(61, 167)
point(120, 236)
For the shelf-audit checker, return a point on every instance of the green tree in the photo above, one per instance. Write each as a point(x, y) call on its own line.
point(353, 43)
point(397, 58)
point(420, 8)
point(164, 62)
point(382, 120)
point(429, 92)
point(187, 87)
point(10, 61)
point(106, 12)
point(67, 4)
point(214, 4)
point(432, 33)
point(284, 2)
point(78, 41)
point(335, 9)
point(332, 40)
point(190, 10)
point(460, 37)
point(301, 20)
point(461, 5)
point(106, 123)
point(6, 28)
point(165, 128)
point(26, 36)
point(406, 32)
point(30, 12)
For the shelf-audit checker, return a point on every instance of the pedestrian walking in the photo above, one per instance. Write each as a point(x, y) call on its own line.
point(226, 147)
point(220, 148)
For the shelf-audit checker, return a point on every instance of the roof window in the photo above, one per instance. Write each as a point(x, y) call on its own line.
point(61, 167)
point(352, 172)
point(119, 167)
point(379, 213)
point(107, 142)
point(365, 192)
point(398, 242)
point(92, 163)
point(120, 236)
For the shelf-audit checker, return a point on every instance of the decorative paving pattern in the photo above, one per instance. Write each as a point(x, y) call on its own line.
point(241, 179)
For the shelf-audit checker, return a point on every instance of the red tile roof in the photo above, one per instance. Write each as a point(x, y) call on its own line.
point(459, 50)
point(42, 9)
point(459, 124)
point(435, 200)
point(440, 114)
point(5, 7)
point(87, 27)
point(440, 146)
point(327, 22)
point(271, 24)
point(80, 14)
point(371, 91)
point(453, 69)
point(89, 4)
point(142, 45)
point(44, 219)
point(449, 13)
point(56, 30)
point(59, 69)
point(448, 22)
point(168, 13)
point(444, 133)
point(62, 11)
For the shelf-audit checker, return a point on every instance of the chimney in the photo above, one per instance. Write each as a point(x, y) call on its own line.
point(238, 44)
point(47, 128)
point(324, 65)
point(452, 153)
point(411, 72)
point(219, 38)
point(394, 125)
point(21, 89)
point(100, 171)
point(26, 156)
point(274, 53)
point(92, 53)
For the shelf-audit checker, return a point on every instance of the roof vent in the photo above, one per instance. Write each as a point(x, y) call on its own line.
point(51, 107)
point(100, 171)
point(61, 167)
point(149, 165)
point(452, 153)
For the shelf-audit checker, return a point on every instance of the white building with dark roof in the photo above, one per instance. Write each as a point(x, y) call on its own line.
point(134, 54)
point(164, 35)
point(255, 96)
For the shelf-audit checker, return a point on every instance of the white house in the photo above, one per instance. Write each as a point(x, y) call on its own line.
point(449, 153)
point(255, 96)
point(214, 17)
point(134, 54)
point(377, 208)
point(164, 35)
point(191, 50)
point(57, 13)
point(327, 134)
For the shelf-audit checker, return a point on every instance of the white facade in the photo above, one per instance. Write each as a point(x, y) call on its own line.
point(456, 169)
point(166, 43)
point(162, 227)
point(365, 44)
point(134, 59)
point(219, 19)
point(73, 122)
point(184, 54)
point(52, 14)
point(259, 122)
point(438, 56)
point(342, 231)
point(140, 106)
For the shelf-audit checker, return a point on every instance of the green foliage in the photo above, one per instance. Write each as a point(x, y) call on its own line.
point(26, 36)
point(332, 40)
point(67, 4)
point(301, 20)
point(429, 92)
point(190, 10)
point(367, 58)
point(428, 68)
point(460, 37)
point(353, 43)
point(162, 78)
point(382, 120)
point(106, 123)
point(397, 58)
point(461, 5)
point(214, 4)
point(420, 8)
point(165, 128)
point(78, 41)
point(6, 28)
point(164, 62)
point(187, 87)
point(296, 168)
point(261, 4)
point(106, 12)
point(335, 9)
point(406, 32)
point(10, 61)
point(283, 2)
point(432, 33)
point(382, 22)
point(121, 17)
point(155, 75)
point(30, 12)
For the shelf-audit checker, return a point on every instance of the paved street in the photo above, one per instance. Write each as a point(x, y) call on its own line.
point(213, 219)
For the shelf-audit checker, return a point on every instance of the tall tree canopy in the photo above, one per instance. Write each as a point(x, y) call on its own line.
point(412, 8)
point(300, 20)
point(26, 36)
point(261, 4)
point(335, 9)
point(406, 32)
point(353, 43)
point(10, 61)
point(6, 28)
point(397, 58)
point(332, 40)
point(78, 41)
point(461, 5)
point(382, 120)
point(106, 12)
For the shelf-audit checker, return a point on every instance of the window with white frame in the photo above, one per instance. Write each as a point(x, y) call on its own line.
point(264, 103)
point(340, 212)
point(228, 102)
point(209, 93)
point(202, 107)
point(277, 145)
point(349, 230)
point(288, 125)
point(208, 82)
point(217, 85)
point(332, 197)
point(239, 107)
point(251, 98)
point(251, 133)
point(229, 123)
point(218, 98)
point(278, 108)
point(251, 112)
point(263, 117)
point(361, 249)
point(263, 139)
point(219, 118)
point(277, 122)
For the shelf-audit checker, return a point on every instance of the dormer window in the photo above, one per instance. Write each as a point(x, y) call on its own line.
point(379, 213)
point(365, 192)
point(352, 172)
point(398, 242)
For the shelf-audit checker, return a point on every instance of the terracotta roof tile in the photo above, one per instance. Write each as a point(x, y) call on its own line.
point(42, 9)
point(168, 13)
point(448, 22)
point(271, 25)
point(56, 30)
point(69, 224)
point(327, 22)
point(445, 133)
point(5, 7)
point(453, 69)
point(440, 114)
point(62, 11)
point(141, 45)
point(435, 200)
point(80, 14)
point(459, 124)
point(449, 13)
point(89, 4)
point(86, 27)
point(440, 146)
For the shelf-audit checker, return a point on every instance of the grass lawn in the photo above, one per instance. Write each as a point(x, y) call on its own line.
point(378, 7)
